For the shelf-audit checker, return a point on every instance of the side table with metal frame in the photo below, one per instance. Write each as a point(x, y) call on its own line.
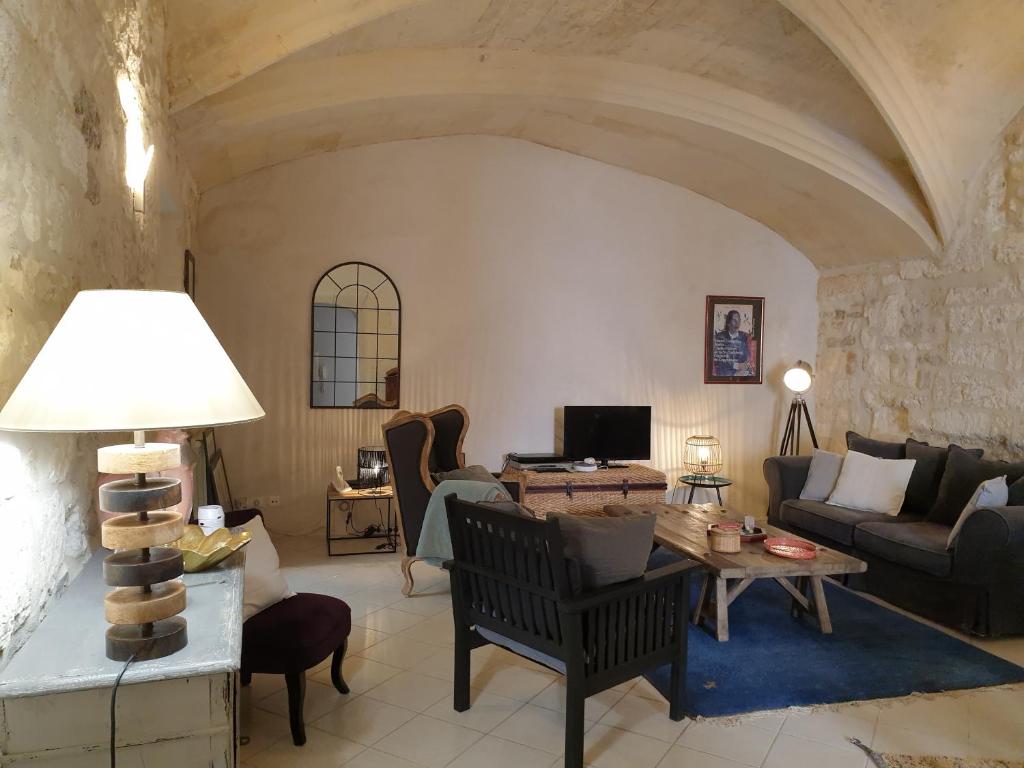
point(705, 481)
point(384, 530)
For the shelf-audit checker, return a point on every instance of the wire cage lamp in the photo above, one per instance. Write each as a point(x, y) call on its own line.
point(373, 467)
point(703, 456)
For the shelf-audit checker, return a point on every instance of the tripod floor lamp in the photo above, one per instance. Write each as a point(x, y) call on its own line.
point(797, 380)
point(169, 371)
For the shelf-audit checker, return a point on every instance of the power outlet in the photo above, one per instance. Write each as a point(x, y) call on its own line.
point(274, 501)
point(241, 502)
point(257, 502)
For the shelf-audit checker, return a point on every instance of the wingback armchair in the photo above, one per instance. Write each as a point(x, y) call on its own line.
point(416, 445)
point(510, 587)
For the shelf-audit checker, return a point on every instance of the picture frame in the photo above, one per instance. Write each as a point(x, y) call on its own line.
point(733, 339)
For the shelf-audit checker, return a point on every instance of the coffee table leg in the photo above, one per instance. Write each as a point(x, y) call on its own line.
point(690, 499)
point(820, 606)
point(719, 492)
point(721, 610)
point(702, 598)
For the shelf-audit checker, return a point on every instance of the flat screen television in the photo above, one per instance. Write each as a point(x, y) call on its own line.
point(607, 432)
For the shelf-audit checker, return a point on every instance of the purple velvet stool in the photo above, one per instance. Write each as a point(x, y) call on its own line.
point(292, 636)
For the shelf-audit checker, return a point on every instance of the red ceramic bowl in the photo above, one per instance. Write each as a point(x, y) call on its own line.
point(794, 549)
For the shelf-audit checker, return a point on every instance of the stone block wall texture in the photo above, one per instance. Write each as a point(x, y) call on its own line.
point(67, 223)
point(934, 349)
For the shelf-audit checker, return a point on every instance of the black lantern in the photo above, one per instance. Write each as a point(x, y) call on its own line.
point(373, 467)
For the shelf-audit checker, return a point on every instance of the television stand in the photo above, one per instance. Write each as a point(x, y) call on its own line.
point(586, 493)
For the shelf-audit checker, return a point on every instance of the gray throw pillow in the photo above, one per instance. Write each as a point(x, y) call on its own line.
point(474, 472)
point(923, 488)
point(877, 448)
point(822, 476)
point(513, 508)
point(963, 474)
point(608, 549)
point(1016, 494)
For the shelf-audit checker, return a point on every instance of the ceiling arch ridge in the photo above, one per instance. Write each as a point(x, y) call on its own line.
point(860, 42)
point(210, 52)
point(298, 85)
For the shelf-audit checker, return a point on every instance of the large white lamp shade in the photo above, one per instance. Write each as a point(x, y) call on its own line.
point(120, 361)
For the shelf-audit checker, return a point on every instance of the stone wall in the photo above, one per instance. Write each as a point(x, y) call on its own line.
point(935, 348)
point(67, 223)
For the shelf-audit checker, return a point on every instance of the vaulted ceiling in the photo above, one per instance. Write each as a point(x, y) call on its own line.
point(850, 127)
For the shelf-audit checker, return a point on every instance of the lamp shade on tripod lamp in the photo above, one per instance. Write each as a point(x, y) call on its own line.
point(78, 383)
point(797, 380)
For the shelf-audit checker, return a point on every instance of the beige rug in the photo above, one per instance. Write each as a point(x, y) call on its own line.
point(891, 760)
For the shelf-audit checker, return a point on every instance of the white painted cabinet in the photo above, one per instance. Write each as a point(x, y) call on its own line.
point(176, 712)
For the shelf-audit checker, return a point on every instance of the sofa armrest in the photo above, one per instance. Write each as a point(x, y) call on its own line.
point(785, 476)
point(990, 545)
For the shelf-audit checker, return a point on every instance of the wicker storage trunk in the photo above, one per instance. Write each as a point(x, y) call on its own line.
point(587, 493)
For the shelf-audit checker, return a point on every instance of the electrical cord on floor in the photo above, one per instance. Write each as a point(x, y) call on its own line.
point(113, 711)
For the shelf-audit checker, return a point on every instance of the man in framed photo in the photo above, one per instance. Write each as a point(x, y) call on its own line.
point(732, 353)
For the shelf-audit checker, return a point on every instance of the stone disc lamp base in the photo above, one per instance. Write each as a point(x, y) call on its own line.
point(144, 606)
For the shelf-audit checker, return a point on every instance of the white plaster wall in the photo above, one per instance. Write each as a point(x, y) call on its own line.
point(66, 223)
point(530, 278)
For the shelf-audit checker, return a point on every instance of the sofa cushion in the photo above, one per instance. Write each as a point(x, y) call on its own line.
point(924, 480)
point(608, 549)
point(832, 522)
point(963, 474)
point(822, 476)
point(1015, 494)
point(918, 545)
point(877, 448)
point(474, 472)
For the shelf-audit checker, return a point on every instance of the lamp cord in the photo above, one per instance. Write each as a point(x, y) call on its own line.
point(113, 710)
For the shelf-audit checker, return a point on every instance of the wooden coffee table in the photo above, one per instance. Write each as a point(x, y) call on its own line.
point(683, 528)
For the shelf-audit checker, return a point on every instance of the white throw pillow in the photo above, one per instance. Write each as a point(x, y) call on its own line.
point(872, 485)
point(822, 476)
point(991, 493)
point(264, 584)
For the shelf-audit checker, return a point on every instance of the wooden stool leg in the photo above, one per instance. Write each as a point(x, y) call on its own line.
point(336, 660)
point(296, 682)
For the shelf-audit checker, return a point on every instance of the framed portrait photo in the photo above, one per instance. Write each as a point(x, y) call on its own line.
point(733, 339)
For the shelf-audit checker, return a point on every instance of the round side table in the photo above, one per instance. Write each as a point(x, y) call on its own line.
point(705, 481)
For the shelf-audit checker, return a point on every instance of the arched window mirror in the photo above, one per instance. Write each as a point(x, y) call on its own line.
point(356, 327)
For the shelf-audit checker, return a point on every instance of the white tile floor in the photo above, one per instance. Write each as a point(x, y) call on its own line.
point(399, 712)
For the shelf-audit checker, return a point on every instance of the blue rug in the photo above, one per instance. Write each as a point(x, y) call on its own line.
point(773, 661)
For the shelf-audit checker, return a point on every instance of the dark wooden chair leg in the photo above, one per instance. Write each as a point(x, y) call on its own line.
point(462, 669)
point(246, 677)
point(336, 660)
point(574, 707)
point(677, 681)
point(296, 682)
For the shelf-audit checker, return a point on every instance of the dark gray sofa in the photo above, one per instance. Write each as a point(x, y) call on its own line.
point(977, 587)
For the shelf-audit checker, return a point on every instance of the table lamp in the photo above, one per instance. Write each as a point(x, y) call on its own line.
point(798, 380)
point(373, 467)
point(703, 456)
point(168, 371)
